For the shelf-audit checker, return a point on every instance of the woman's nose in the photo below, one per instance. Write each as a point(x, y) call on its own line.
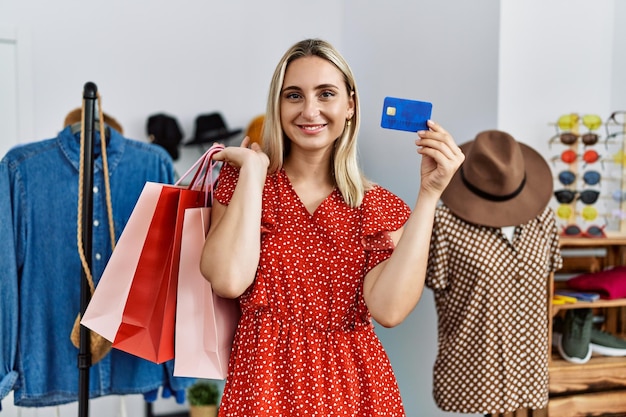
point(310, 110)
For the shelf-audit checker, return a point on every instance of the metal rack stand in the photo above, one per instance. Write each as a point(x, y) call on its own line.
point(84, 355)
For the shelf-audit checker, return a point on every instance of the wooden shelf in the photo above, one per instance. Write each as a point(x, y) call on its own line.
point(619, 302)
point(612, 239)
point(605, 404)
point(598, 387)
point(601, 373)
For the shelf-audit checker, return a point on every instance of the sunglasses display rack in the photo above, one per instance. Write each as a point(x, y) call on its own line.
point(590, 179)
point(589, 169)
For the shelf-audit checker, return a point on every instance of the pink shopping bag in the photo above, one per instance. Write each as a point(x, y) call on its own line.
point(205, 322)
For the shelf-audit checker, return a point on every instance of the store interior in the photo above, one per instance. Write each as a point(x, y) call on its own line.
point(484, 64)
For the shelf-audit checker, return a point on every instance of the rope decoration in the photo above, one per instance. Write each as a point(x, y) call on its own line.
point(98, 345)
point(107, 187)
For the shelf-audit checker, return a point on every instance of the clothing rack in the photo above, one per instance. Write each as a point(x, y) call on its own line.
point(90, 95)
point(90, 92)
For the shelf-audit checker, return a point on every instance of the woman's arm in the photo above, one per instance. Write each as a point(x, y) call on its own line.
point(393, 288)
point(231, 251)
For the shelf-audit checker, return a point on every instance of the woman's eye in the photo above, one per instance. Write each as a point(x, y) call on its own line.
point(328, 94)
point(292, 96)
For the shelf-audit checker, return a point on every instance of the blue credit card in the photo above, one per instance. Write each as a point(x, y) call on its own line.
point(404, 114)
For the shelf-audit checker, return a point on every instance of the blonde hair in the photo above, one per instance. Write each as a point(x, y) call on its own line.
point(346, 171)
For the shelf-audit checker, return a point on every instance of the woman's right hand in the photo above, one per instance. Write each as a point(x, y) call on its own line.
point(248, 154)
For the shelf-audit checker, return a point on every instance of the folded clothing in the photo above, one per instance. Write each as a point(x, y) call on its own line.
point(610, 283)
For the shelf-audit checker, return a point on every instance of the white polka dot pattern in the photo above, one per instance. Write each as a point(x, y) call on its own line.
point(491, 297)
point(305, 345)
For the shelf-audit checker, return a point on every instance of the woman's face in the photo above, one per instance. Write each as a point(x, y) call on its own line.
point(314, 103)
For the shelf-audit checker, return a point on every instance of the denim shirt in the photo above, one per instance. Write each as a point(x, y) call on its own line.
point(40, 268)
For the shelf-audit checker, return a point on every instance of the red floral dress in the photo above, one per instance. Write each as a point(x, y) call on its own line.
point(305, 344)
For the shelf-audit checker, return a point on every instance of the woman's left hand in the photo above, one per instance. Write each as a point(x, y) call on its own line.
point(441, 158)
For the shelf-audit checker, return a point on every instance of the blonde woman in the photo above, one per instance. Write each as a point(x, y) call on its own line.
point(315, 251)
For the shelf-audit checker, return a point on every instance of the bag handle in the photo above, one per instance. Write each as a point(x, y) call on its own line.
point(203, 161)
point(203, 177)
point(207, 169)
point(209, 186)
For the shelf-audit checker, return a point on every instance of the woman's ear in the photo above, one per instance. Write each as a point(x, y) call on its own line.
point(350, 106)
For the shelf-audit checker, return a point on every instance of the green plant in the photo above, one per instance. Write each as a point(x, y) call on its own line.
point(203, 392)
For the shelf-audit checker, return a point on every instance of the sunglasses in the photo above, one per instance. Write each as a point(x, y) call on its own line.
point(569, 177)
point(568, 196)
point(569, 121)
point(569, 156)
point(619, 157)
point(569, 138)
point(617, 118)
point(618, 196)
point(573, 230)
point(588, 213)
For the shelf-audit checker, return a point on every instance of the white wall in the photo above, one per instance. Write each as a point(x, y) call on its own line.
point(556, 57)
point(8, 91)
point(15, 76)
point(445, 52)
point(484, 64)
point(618, 55)
point(559, 57)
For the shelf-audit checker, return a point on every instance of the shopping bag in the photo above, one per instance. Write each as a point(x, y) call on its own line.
point(147, 326)
point(134, 304)
point(205, 322)
point(104, 311)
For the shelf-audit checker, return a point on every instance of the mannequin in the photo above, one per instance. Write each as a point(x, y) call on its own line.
point(494, 244)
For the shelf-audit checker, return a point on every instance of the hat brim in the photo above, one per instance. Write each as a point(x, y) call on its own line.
point(213, 138)
point(529, 203)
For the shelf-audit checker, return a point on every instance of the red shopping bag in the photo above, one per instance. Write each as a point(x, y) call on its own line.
point(147, 327)
point(205, 322)
point(106, 307)
point(142, 274)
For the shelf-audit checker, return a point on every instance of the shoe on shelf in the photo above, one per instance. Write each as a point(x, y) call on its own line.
point(606, 343)
point(557, 331)
point(574, 344)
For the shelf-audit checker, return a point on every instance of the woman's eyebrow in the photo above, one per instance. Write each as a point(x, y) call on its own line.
point(291, 88)
point(319, 87)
